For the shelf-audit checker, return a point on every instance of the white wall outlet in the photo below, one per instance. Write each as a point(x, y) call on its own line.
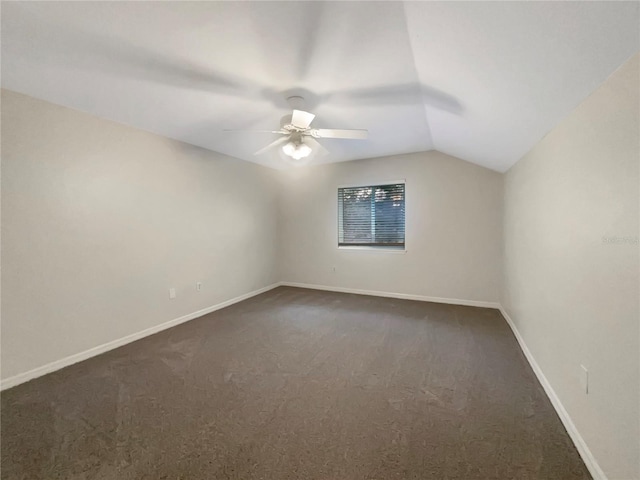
point(198, 286)
point(333, 269)
point(172, 293)
point(584, 379)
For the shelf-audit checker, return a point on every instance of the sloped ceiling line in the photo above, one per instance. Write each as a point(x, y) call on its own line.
point(482, 81)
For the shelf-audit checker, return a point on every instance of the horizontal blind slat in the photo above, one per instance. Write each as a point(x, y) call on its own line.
point(372, 215)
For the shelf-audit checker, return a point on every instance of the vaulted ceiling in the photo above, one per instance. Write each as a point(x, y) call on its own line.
point(483, 81)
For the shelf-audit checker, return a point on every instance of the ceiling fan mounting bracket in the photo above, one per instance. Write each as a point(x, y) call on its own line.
point(296, 102)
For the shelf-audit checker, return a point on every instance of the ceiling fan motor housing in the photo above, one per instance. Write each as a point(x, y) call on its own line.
point(296, 138)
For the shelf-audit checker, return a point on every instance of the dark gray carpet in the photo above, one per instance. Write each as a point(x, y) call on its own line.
point(297, 384)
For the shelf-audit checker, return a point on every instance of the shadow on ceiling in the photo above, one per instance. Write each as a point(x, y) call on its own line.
point(116, 57)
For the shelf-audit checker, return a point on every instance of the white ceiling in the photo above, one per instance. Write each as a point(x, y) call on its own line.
point(483, 81)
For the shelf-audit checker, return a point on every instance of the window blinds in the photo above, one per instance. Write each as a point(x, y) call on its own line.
point(371, 216)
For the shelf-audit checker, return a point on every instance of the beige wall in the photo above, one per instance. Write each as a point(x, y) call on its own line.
point(572, 294)
point(453, 228)
point(99, 220)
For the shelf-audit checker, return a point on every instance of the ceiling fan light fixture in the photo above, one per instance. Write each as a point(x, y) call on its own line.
point(300, 141)
point(296, 151)
point(289, 149)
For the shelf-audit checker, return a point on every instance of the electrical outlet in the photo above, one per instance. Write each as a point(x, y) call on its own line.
point(584, 379)
point(172, 293)
point(198, 286)
point(333, 269)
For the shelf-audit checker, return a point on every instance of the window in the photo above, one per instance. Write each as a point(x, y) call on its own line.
point(371, 216)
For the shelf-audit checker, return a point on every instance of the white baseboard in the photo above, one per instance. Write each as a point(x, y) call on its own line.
point(579, 442)
point(404, 296)
point(581, 446)
point(92, 352)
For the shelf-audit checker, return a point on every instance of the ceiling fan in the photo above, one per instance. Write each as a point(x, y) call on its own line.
point(298, 139)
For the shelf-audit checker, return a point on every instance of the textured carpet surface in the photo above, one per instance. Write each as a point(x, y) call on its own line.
point(297, 384)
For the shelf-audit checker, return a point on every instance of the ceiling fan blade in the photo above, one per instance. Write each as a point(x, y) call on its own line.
point(316, 146)
point(278, 142)
point(283, 132)
point(333, 133)
point(302, 119)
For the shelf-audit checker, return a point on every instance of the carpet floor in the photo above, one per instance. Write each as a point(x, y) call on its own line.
point(297, 384)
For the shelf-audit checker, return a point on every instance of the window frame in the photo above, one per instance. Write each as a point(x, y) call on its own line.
point(372, 247)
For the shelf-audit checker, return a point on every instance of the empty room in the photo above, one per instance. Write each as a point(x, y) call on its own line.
point(320, 240)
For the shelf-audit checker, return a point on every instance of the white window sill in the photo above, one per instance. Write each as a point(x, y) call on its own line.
point(375, 249)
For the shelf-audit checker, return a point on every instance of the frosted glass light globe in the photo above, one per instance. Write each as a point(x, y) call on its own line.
point(289, 149)
point(297, 152)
